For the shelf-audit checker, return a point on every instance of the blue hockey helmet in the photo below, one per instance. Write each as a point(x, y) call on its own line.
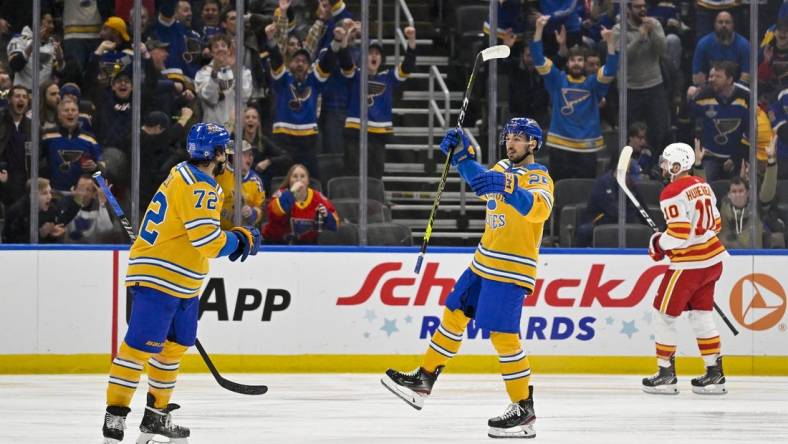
point(205, 139)
point(526, 126)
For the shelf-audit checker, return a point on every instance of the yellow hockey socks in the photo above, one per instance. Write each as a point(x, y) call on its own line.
point(124, 375)
point(515, 368)
point(446, 340)
point(162, 372)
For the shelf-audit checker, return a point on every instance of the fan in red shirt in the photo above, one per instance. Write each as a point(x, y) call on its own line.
point(297, 212)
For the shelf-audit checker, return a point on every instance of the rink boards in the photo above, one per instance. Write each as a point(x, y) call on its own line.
point(354, 309)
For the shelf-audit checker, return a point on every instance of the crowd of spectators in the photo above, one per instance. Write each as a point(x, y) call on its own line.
point(687, 78)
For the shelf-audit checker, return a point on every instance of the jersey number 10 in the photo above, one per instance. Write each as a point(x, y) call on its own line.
point(705, 211)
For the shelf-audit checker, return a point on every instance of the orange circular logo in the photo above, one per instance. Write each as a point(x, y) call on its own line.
point(758, 301)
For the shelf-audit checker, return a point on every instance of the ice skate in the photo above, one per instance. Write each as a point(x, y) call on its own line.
point(114, 424)
point(157, 427)
point(517, 421)
point(412, 387)
point(713, 382)
point(664, 382)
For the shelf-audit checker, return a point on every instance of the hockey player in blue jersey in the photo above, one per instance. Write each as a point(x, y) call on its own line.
point(574, 127)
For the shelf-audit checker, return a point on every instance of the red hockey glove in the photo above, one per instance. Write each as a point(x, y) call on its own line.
point(654, 250)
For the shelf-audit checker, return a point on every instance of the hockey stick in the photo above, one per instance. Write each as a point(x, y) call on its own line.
point(225, 383)
point(493, 52)
point(621, 176)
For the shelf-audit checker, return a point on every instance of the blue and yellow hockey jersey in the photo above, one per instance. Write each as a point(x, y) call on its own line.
point(380, 96)
point(179, 233)
point(722, 122)
point(574, 125)
point(509, 248)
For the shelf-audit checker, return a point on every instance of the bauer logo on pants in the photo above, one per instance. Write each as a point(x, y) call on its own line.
point(758, 301)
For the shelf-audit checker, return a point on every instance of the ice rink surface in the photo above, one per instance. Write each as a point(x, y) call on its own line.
point(345, 408)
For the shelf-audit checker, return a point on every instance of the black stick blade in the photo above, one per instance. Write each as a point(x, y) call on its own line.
point(226, 383)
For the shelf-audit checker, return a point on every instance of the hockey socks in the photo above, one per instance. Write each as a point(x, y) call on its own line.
point(515, 368)
point(124, 375)
point(163, 371)
point(446, 340)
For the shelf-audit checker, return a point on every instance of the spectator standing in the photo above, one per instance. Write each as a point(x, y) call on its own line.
point(297, 212)
point(112, 124)
point(575, 133)
point(706, 12)
point(270, 160)
point(779, 120)
point(339, 12)
point(160, 150)
point(379, 101)
point(296, 89)
point(722, 44)
point(158, 92)
point(169, 30)
point(68, 150)
point(14, 135)
point(773, 70)
point(527, 93)
point(16, 229)
point(209, 15)
point(110, 57)
point(20, 49)
point(252, 193)
point(511, 19)
point(669, 17)
point(721, 115)
point(562, 14)
point(647, 95)
point(215, 83)
point(81, 26)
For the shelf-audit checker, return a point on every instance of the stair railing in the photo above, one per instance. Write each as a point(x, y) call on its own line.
point(399, 36)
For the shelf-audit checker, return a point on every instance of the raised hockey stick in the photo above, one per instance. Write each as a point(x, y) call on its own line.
point(225, 383)
point(621, 176)
point(493, 52)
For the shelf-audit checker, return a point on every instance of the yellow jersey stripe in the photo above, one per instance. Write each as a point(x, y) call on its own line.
point(133, 278)
point(504, 273)
point(169, 266)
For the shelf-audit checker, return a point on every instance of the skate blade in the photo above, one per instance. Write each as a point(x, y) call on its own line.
point(713, 389)
point(415, 400)
point(110, 441)
point(153, 438)
point(667, 389)
point(522, 432)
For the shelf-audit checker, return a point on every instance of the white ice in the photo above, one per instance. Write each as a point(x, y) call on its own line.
point(331, 408)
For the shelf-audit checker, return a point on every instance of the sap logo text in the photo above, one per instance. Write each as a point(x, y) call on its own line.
point(560, 292)
point(537, 327)
point(248, 299)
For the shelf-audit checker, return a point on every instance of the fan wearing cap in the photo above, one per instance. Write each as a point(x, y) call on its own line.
point(379, 101)
point(296, 89)
point(251, 189)
point(112, 121)
point(112, 54)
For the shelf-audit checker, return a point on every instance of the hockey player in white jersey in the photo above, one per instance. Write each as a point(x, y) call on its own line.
point(690, 242)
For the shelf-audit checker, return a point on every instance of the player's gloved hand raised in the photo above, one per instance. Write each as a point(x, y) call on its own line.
point(248, 242)
point(457, 140)
point(654, 250)
point(491, 182)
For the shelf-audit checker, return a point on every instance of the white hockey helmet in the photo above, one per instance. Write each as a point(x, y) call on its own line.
point(676, 158)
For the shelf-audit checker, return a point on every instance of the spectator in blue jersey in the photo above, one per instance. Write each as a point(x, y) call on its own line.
point(561, 13)
point(14, 134)
point(333, 109)
point(380, 96)
point(296, 90)
point(167, 29)
point(215, 83)
point(339, 12)
point(721, 115)
point(779, 120)
point(158, 92)
point(647, 95)
point(209, 16)
point(112, 122)
point(510, 19)
point(669, 17)
point(112, 55)
point(527, 93)
point(706, 12)
point(183, 14)
point(67, 150)
point(575, 135)
point(722, 44)
point(86, 107)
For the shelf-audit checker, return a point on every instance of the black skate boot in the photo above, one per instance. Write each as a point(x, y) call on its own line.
point(114, 424)
point(413, 387)
point(517, 421)
point(664, 382)
point(158, 422)
point(713, 382)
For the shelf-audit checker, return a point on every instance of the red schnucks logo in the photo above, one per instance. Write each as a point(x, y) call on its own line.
point(758, 301)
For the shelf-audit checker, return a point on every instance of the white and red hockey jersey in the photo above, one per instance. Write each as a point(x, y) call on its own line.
point(690, 210)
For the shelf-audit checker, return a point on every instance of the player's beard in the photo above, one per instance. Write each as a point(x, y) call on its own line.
point(218, 168)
